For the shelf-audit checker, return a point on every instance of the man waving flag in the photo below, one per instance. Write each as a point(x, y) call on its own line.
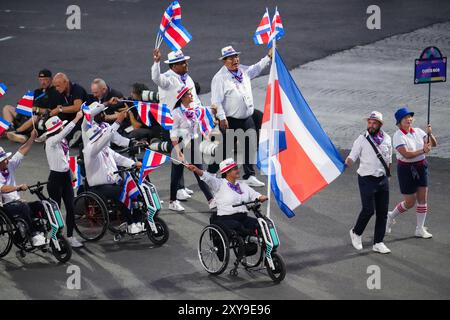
point(171, 30)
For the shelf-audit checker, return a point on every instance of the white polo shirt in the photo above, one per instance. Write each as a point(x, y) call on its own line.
point(412, 141)
point(168, 84)
point(369, 164)
point(227, 197)
point(233, 98)
point(10, 179)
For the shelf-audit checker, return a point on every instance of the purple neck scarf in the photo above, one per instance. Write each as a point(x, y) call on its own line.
point(184, 77)
point(237, 75)
point(5, 174)
point(378, 138)
point(189, 113)
point(235, 187)
point(65, 146)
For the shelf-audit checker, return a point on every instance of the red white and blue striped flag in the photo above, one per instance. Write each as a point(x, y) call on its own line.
point(143, 109)
point(130, 191)
point(25, 105)
point(310, 161)
point(171, 29)
point(4, 125)
point(3, 89)
point(76, 173)
point(87, 114)
point(205, 119)
point(262, 33)
point(151, 161)
point(276, 29)
point(161, 113)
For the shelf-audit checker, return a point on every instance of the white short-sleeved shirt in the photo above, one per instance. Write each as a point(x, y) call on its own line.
point(412, 140)
point(227, 197)
point(10, 179)
point(369, 164)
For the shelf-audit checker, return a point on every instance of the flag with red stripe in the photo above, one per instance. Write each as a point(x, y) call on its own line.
point(130, 191)
point(151, 161)
point(25, 105)
point(262, 33)
point(76, 172)
point(276, 29)
point(3, 89)
point(171, 30)
point(143, 109)
point(4, 126)
point(161, 113)
point(205, 119)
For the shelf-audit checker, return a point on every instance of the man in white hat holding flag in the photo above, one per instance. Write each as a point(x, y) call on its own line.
point(231, 93)
point(374, 150)
point(168, 83)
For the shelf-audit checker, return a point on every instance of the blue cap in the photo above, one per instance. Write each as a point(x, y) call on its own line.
point(401, 113)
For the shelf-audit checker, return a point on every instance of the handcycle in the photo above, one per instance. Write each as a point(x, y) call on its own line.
point(216, 242)
point(52, 224)
point(94, 215)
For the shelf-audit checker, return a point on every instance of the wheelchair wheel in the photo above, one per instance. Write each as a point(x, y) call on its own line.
point(214, 249)
point(279, 273)
point(6, 234)
point(91, 216)
point(65, 253)
point(161, 236)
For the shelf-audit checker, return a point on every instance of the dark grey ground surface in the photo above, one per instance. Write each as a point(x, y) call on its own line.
point(115, 43)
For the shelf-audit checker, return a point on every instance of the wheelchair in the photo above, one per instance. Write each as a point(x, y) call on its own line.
point(95, 215)
point(216, 242)
point(17, 231)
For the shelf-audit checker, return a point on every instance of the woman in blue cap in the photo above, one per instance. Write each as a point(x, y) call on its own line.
point(411, 146)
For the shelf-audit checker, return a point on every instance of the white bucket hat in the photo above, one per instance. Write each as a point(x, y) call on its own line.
point(226, 165)
point(176, 56)
point(4, 155)
point(53, 124)
point(375, 115)
point(228, 51)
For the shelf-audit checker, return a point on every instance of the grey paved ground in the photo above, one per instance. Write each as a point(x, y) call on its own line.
point(321, 263)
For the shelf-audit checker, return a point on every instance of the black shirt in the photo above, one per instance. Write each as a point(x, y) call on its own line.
point(76, 92)
point(110, 93)
point(46, 98)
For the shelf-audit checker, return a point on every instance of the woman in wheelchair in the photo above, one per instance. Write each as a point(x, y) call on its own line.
point(13, 206)
point(228, 192)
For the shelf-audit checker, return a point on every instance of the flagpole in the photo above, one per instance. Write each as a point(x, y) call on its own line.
point(272, 102)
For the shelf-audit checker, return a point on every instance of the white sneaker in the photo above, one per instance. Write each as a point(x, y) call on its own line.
point(380, 247)
point(253, 182)
point(182, 195)
point(41, 138)
point(356, 240)
point(423, 233)
point(176, 206)
point(390, 222)
point(133, 228)
point(38, 240)
point(74, 242)
point(188, 191)
point(212, 204)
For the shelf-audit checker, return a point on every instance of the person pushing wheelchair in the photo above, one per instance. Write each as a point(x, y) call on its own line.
point(228, 192)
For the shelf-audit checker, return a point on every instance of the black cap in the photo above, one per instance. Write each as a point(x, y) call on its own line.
point(45, 73)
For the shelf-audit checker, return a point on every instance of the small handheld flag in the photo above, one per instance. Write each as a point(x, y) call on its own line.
point(4, 125)
point(3, 89)
point(76, 172)
point(171, 30)
point(130, 191)
point(205, 119)
point(151, 161)
point(87, 114)
point(25, 105)
point(262, 33)
point(277, 30)
point(143, 109)
point(161, 113)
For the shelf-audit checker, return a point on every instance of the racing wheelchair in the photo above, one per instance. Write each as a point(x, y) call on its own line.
point(259, 252)
point(17, 231)
point(94, 215)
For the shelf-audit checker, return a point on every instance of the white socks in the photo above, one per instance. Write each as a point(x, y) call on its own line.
point(421, 212)
point(399, 208)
